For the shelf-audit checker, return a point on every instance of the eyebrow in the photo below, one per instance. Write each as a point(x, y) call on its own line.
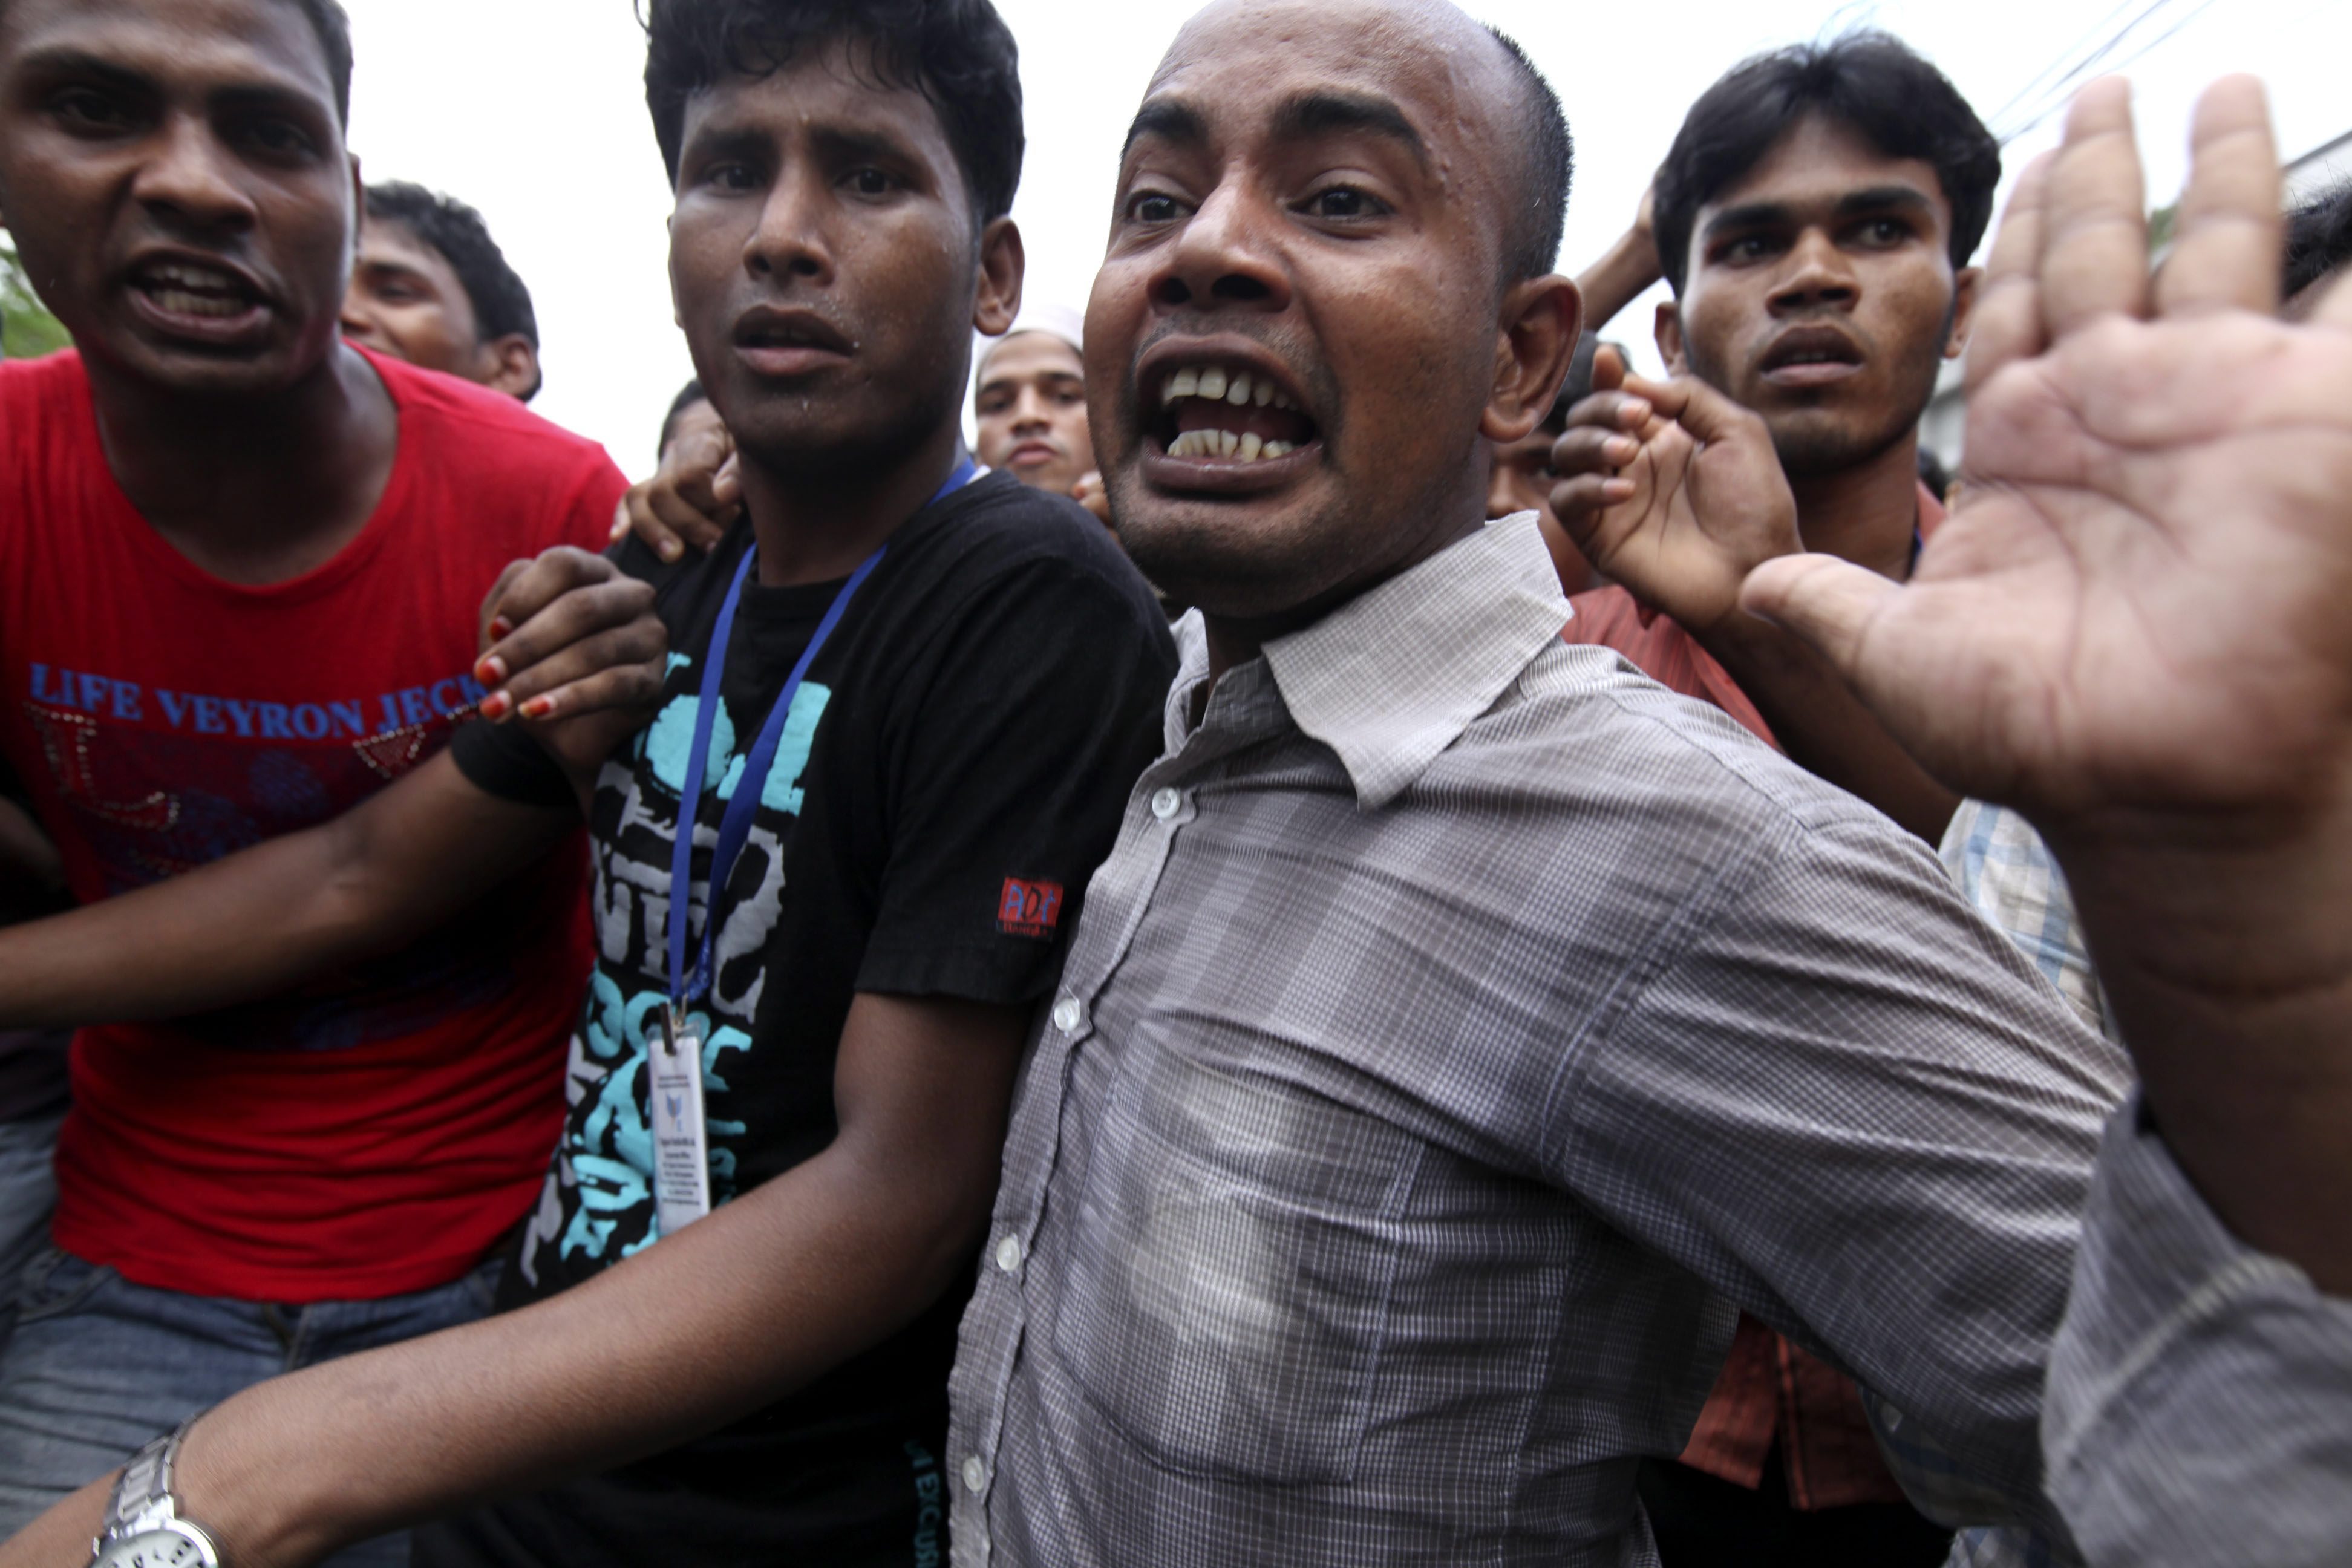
point(843, 144)
point(1171, 120)
point(1853, 203)
point(82, 63)
point(268, 91)
point(386, 267)
point(1310, 114)
point(1055, 373)
point(1326, 113)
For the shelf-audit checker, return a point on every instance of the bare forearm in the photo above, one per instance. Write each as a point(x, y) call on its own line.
point(274, 915)
point(727, 1316)
point(201, 940)
point(1825, 728)
point(2238, 1011)
point(1617, 279)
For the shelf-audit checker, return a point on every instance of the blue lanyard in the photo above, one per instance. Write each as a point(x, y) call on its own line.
point(735, 825)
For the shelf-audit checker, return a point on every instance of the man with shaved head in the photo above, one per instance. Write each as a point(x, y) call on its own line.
point(1463, 1027)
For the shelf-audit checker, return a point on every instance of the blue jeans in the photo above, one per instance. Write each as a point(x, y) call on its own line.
point(28, 1192)
point(99, 1365)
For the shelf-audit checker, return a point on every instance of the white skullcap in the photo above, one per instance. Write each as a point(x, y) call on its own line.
point(1053, 321)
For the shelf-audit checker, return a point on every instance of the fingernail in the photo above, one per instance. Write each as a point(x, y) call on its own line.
point(500, 629)
point(495, 706)
point(1634, 411)
point(492, 670)
point(538, 708)
point(667, 549)
point(620, 527)
point(1620, 449)
point(1617, 490)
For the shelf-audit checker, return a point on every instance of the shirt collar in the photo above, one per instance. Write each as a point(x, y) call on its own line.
point(1390, 680)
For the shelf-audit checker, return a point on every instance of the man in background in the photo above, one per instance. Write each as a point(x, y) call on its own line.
point(433, 288)
point(1029, 402)
point(1815, 217)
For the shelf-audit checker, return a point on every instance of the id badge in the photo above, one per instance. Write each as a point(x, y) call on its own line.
point(681, 1146)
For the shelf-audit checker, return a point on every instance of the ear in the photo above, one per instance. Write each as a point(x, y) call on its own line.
point(1534, 343)
point(1667, 332)
point(1966, 283)
point(1002, 261)
point(513, 366)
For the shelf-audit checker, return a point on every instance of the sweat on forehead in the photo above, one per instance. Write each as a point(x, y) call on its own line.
point(1462, 98)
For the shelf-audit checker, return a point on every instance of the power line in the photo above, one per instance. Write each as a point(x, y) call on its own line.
point(2026, 94)
point(2056, 97)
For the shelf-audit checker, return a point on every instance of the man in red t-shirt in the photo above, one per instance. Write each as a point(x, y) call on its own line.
point(1815, 217)
point(244, 565)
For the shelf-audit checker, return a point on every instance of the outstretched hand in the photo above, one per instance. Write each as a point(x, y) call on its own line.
point(2141, 603)
point(2134, 630)
point(1672, 489)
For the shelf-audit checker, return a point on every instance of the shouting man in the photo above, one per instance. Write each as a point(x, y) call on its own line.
point(245, 561)
point(832, 879)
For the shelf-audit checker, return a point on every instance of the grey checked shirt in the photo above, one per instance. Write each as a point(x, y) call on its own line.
point(1461, 1027)
point(2199, 1409)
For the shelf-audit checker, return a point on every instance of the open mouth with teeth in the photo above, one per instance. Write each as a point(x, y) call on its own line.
point(1219, 414)
point(193, 292)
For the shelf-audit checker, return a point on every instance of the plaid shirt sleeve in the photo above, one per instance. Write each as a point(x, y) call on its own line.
point(2199, 1405)
point(1909, 1126)
point(2008, 876)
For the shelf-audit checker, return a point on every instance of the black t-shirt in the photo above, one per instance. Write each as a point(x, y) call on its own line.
point(952, 771)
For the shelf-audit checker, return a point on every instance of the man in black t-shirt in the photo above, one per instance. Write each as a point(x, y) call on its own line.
point(947, 776)
point(963, 677)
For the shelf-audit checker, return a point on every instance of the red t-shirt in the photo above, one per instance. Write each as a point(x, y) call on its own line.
point(370, 1134)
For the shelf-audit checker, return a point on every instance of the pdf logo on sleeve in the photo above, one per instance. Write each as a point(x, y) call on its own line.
point(1029, 909)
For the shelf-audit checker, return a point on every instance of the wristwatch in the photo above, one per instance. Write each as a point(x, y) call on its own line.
point(143, 1527)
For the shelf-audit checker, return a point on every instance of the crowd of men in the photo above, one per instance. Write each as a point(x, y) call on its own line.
point(1356, 937)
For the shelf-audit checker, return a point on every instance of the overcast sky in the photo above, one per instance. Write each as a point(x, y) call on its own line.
point(534, 112)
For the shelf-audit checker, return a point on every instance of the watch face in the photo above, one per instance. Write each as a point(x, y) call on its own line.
point(154, 1548)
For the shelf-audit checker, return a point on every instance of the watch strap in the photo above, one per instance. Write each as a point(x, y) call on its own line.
point(146, 1479)
point(143, 1480)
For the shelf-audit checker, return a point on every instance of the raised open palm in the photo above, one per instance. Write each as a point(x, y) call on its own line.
point(2144, 602)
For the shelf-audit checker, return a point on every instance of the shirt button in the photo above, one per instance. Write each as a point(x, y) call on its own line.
point(1008, 1254)
point(1069, 1014)
point(1167, 804)
point(975, 1474)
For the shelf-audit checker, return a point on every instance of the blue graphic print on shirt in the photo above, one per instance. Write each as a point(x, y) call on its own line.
point(607, 1161)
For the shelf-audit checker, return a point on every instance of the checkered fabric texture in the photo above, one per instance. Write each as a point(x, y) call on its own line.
point(1461, 1027)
